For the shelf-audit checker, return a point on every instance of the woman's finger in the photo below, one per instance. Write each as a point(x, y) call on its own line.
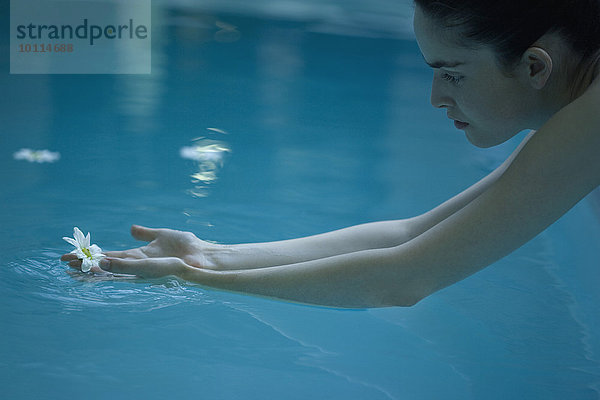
point(117, 253)
point(68, 257)
point(143, 233)
point(131, 253)
point(145, 268)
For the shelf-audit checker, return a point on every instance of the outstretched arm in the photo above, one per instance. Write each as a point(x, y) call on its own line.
point(375, 235)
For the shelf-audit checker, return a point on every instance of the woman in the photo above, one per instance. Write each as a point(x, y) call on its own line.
point(498, 69)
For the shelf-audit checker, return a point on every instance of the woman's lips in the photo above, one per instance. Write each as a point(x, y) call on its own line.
point(460, 124)
point(457, 123)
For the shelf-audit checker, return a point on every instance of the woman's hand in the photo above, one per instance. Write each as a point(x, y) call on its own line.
point(168, 253)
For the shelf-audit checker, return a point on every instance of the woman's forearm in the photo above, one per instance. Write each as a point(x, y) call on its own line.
point(369, 278)
point(368, 236)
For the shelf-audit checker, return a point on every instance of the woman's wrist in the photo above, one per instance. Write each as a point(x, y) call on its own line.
point(204, 276)
point(226, 257)
point(230, 257)
point(213, 256)
point(251, 256)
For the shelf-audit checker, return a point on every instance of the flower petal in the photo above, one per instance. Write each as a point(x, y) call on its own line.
point(71, 241)
point(78, 235)
point(87, 241)
point(86, 265)
point(94, 249)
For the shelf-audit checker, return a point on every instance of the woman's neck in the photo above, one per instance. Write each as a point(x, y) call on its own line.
point(585, 73)
point(571, 81)
point(571, 75)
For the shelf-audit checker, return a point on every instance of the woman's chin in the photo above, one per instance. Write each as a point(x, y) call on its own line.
point(485, 140)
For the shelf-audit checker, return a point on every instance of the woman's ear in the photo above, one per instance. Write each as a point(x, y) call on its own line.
point(538, 64)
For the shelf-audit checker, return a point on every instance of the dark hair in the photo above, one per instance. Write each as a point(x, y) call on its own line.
point(512, 26)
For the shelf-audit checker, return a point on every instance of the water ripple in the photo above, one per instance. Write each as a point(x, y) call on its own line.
point(47, 282)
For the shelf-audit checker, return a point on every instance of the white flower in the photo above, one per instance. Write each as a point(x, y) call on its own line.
point(89, 255)
point(38, 156)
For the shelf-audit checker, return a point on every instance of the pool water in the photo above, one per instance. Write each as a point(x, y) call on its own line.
point(298, 128)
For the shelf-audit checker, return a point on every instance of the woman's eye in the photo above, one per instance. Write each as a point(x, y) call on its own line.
point(451, 78)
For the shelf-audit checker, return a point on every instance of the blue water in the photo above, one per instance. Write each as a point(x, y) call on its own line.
point(326, 128)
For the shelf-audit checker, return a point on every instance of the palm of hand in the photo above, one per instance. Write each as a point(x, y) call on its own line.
point(165, 243)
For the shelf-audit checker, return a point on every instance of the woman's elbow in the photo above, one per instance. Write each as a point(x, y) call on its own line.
point(400, 298)
point(408, 301)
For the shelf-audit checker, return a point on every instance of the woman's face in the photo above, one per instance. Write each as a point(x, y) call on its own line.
point(485, 103)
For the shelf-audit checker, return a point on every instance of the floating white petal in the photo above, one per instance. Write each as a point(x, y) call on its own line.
point(38, 156)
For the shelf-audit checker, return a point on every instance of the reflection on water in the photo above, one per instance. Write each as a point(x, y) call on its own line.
point(375, 18)
point(208, 154)
point(227, 33)
point(138, 97)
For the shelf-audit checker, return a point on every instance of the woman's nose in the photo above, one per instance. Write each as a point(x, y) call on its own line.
point(439, 98)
